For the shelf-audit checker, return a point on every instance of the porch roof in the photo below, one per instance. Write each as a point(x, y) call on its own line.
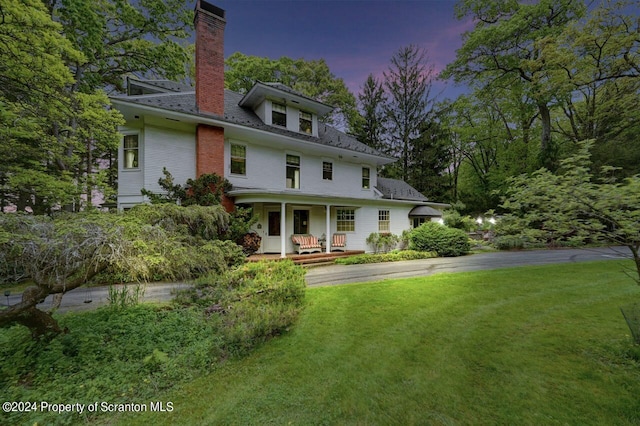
point(424, 211)
point(258, 195)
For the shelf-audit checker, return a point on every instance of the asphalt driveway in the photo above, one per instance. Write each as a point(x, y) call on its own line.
point(78, 299)
point(344, 274)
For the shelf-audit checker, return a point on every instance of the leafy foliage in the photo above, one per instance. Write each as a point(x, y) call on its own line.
point(109, 355)
point(445, 241)
point(255, 302)
point(393, 256)
point(147, 243)
point(574, 206)
point(382, 241)
point(61, 136)
point(309, 77)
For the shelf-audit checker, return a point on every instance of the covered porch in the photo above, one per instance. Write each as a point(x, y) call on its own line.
point(284, 214)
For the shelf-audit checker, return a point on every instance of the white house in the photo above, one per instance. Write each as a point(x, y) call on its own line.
point(299, 175)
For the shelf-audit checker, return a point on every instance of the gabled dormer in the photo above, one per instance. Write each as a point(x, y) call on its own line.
point(280, 106)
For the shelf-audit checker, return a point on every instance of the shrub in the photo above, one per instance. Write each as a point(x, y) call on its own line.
point(256, 301)
point(431, 236)
point(509, 242)
point(393, 256)
point(382, 242)
point(453, 219)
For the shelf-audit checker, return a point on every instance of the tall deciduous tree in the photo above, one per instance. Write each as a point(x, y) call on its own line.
point(33, 78)
point(506, 48)
point(596, 63)
point(408, 82)
point(309, 77)
point(54, 75)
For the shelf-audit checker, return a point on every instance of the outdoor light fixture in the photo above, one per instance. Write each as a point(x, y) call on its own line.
point(479, 220)
point(6, 294)
point(492, 220)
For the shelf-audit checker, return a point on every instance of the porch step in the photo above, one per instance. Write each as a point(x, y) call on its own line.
point(313, 259)
point(317, 259)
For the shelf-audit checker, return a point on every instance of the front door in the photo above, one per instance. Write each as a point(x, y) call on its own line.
point(271, 242)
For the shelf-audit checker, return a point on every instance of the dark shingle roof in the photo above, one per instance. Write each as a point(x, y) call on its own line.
point(185, 102)
point(398, 190)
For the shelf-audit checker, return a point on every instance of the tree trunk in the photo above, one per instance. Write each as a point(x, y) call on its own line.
point(41, 324)
point(547, 151)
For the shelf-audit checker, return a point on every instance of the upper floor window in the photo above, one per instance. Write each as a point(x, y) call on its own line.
point(131, 152)
point(383, 221)
point(327, 170)
point(279, 115)
point(366, 178)
point(305, 122)
point(293, 171)
point(238, 159)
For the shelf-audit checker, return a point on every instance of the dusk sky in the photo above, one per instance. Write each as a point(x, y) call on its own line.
point(355, 37)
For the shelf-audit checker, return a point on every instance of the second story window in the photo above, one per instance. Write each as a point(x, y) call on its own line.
point(131, 152)
point(327, 170)
point(293, 171)
point(366, 178)
point(238, 159)
point(305, 122)
point(279, 115)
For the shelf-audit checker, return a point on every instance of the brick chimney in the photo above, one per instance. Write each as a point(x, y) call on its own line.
point(209, 23)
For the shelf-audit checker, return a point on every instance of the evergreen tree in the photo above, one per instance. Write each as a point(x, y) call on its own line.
point(408, 82)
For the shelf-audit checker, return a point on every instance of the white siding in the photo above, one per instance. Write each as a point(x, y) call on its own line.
point(266, 169)
point(173, 149)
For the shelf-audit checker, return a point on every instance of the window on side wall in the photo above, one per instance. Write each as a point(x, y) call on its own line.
point(383, 221)
point(238, 159)
point(327, 170)
point(345, 220)
point(293, 171)
point(279, 115)
point(306, 125)
point(366, 178)
point(131, 152)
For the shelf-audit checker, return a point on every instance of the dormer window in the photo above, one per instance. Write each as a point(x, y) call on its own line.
point(279, 115)
point(305, 122)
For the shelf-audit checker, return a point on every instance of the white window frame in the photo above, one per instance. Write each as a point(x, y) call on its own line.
point(137, 151)
point(303, 118)
point(330, 170)
point(366, 178)
point(384, 221)
point(280, 109)
point(232, 157)
point(295, 181)
point(345, 220)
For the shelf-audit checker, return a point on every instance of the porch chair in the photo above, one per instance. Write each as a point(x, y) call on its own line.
point(339, 242)
point(306, 243)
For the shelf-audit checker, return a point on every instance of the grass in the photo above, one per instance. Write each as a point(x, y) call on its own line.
point(534, 345)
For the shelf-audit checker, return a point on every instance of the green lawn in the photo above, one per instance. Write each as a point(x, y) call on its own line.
point(535, 345)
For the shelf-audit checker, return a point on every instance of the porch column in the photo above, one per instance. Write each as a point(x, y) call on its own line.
point(328, 233)
point(283, 227)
